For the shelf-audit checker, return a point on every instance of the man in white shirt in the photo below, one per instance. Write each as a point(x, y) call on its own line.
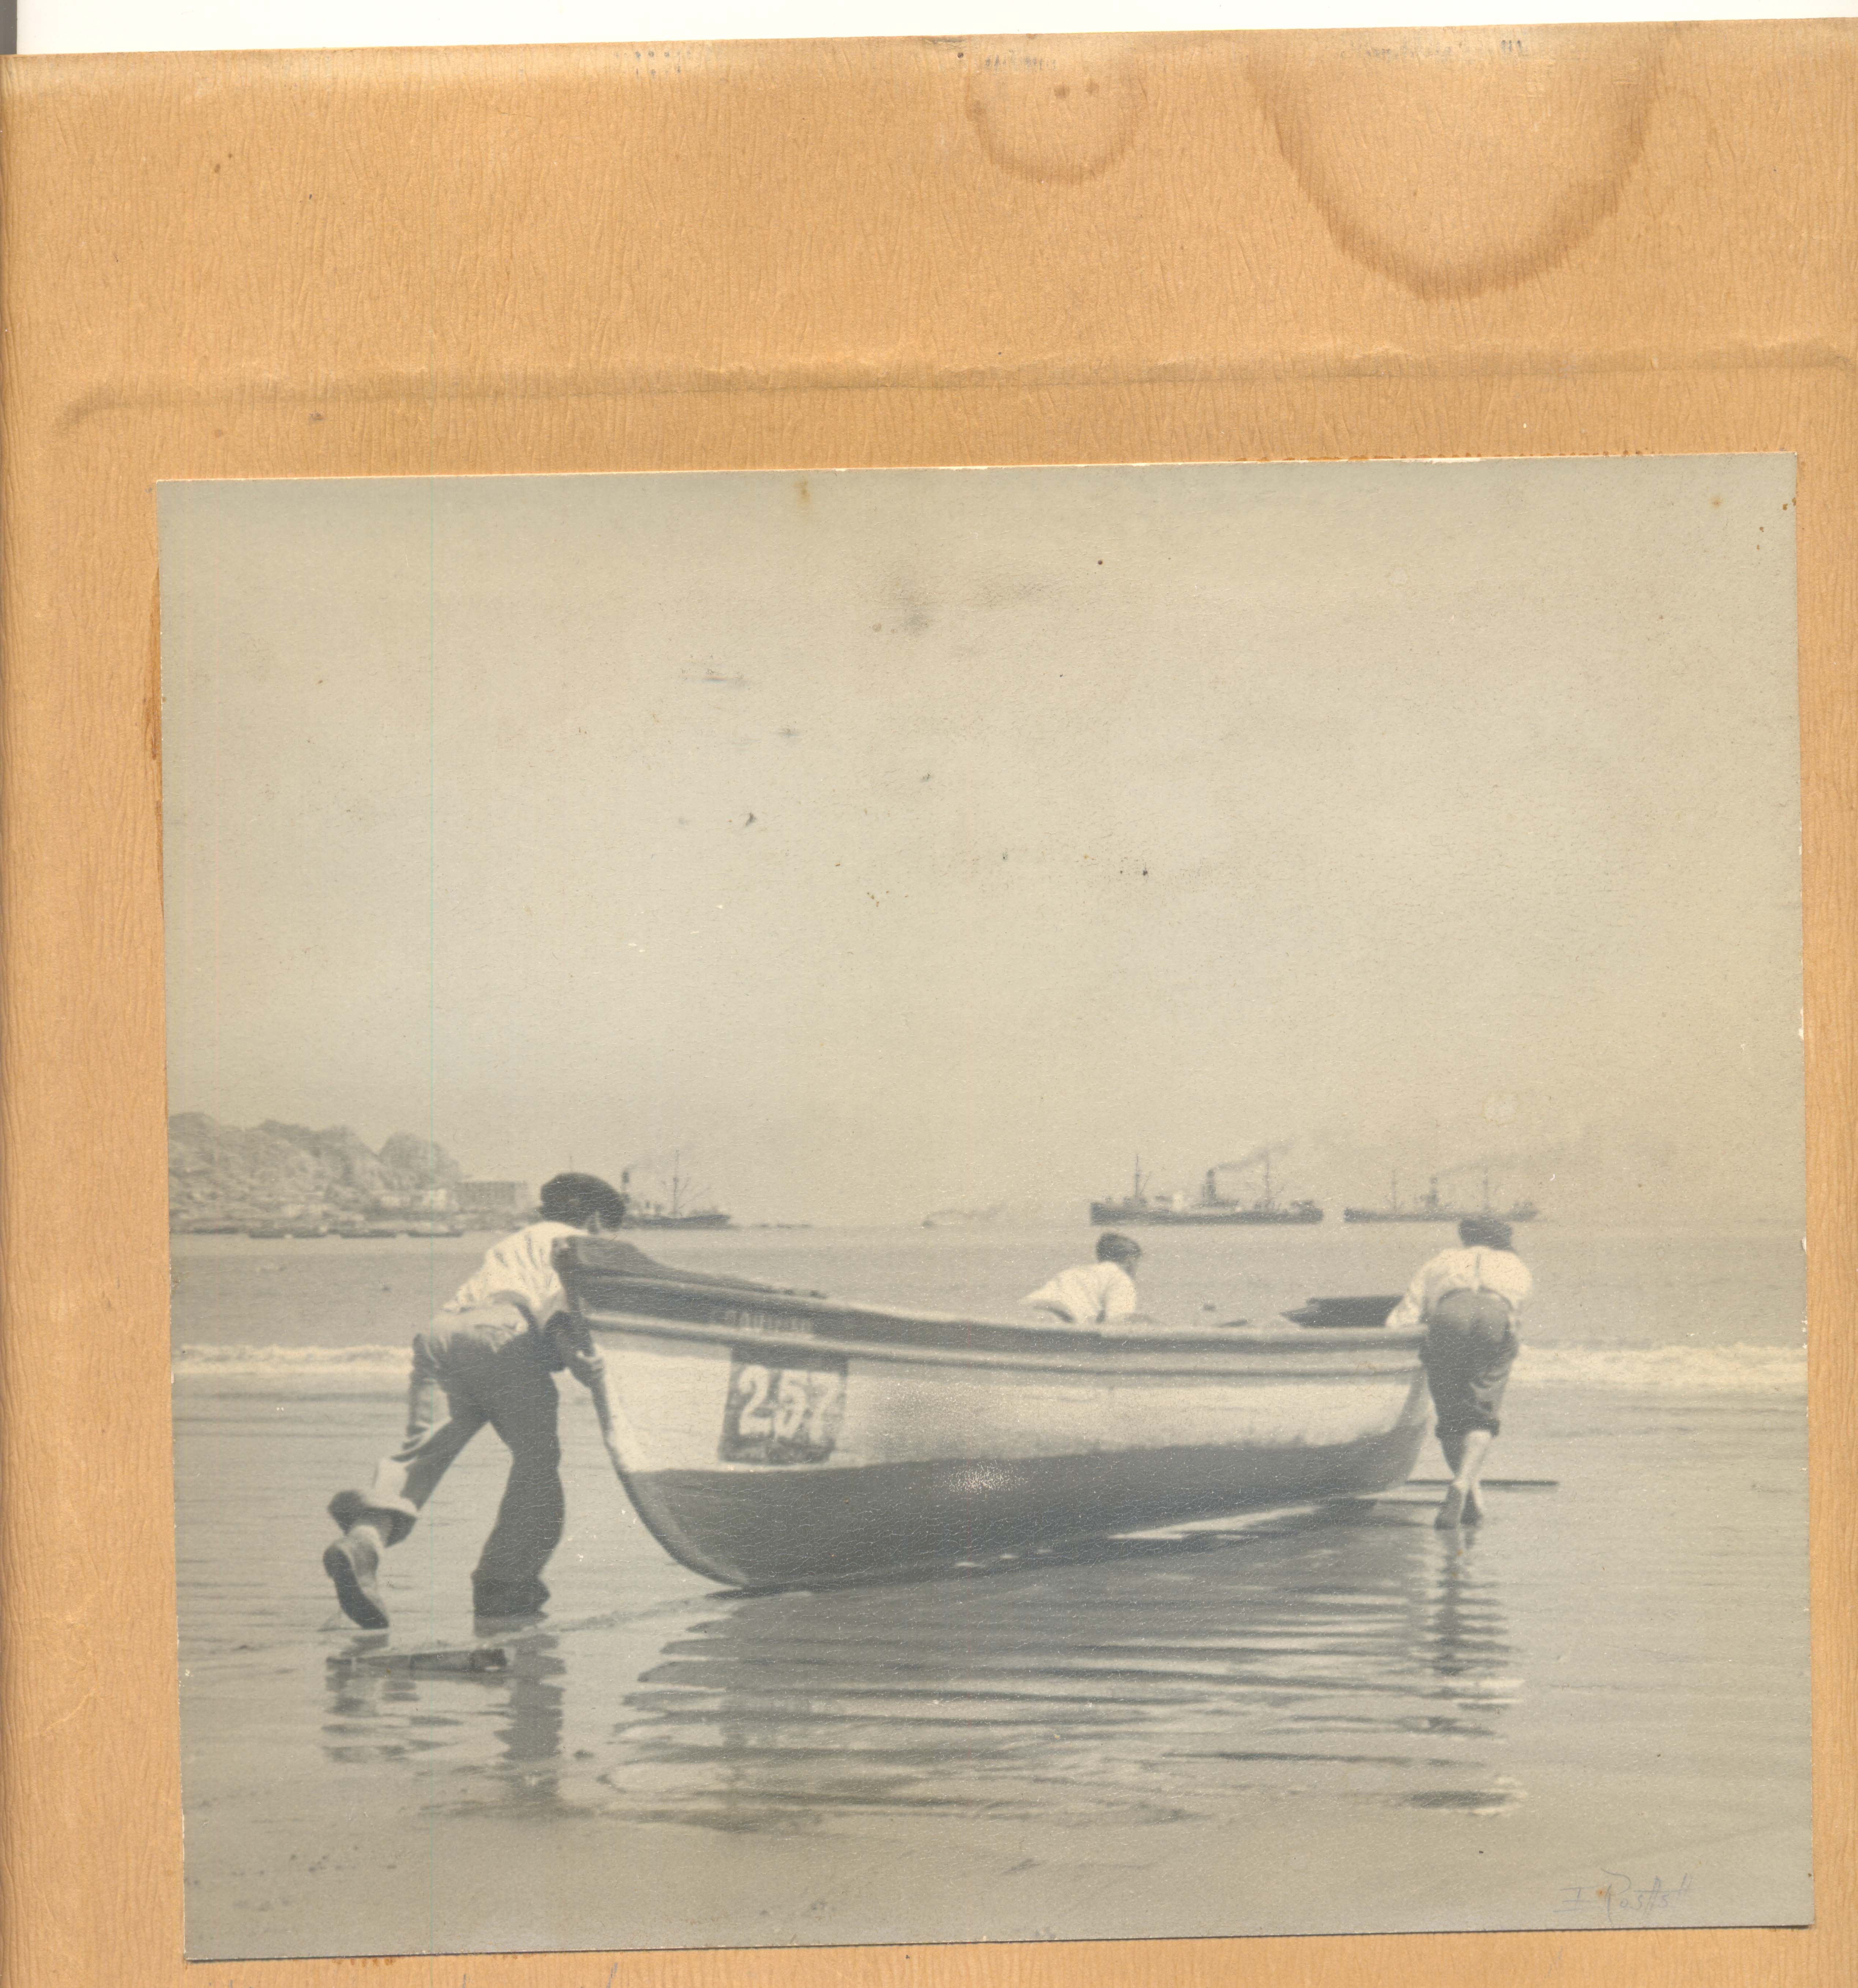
point(492, 1352)
point(1094, 1294)
point(1467, 1299)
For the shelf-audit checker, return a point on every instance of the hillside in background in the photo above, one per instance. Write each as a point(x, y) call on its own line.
point(276, 1172)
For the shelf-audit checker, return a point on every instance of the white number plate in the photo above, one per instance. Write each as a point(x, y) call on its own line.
point(785, 1414)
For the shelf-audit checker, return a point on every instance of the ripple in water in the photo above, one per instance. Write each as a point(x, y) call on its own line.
point(1149, 1680)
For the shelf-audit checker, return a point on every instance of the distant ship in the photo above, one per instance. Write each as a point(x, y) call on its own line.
point(1429, 1207)
point(381, 1225)
point(671, 1214)
point(1212, 1207)
point(964, 1218)
point(380, 1219)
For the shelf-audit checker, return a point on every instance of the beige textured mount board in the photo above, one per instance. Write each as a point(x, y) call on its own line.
point(1501, 241)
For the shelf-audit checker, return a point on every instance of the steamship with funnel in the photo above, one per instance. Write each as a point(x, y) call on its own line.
point(1211, 1209)
point(1429, 1207)
point(670, 1213)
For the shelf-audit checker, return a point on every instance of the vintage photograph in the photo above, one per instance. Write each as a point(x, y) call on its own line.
point(986, 1204)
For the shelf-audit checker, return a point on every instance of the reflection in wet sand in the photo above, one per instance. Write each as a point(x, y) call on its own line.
point(1149, 1680)
point(531, 1725)
point(387, 1705)
point(1145, 1680)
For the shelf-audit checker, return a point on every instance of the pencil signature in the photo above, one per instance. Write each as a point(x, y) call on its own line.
point(1617, 1900)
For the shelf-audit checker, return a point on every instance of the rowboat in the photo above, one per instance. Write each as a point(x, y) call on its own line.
point(773, 1438)
point(1344, 1314)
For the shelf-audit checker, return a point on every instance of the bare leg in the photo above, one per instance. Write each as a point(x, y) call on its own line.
point(1452, 1443)
point(1470, 1346)
point(1461, 1497)
point(1477, 1450)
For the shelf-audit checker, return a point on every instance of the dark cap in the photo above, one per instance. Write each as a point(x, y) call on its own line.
point(1485, 1231)
point(573, 1198)
point(1114, 1249)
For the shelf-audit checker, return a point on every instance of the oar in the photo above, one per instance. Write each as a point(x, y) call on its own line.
point(1489, 1483)
point(481, 1660)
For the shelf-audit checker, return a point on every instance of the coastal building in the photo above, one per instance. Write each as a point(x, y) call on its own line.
point(504, 1199)
point(418, 1201)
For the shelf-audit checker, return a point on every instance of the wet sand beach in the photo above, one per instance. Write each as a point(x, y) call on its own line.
point(1591, 1711)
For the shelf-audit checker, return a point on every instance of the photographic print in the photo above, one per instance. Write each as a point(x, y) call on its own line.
point(973, 1204)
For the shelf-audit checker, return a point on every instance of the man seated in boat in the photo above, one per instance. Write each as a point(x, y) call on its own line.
point(1094, 1294)
point(492, 1352)
point(1467, 1299)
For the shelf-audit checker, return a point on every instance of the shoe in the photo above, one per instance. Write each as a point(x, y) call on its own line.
point(499, 1599)
point(1451, 1511)
point(502, 1625)
point(351, 1562)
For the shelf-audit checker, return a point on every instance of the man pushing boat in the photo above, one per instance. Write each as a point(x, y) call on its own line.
point(1468, 1299)
point(493, 1352)
point(1094, 1294)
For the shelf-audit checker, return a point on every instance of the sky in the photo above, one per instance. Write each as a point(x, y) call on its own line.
point(881, 841)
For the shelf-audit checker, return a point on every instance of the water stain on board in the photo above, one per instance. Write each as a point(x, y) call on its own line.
point(910, 607)
point(1055, 109)
point(1459, 164)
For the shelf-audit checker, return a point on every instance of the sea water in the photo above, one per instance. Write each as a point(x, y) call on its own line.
point(1590, 1713)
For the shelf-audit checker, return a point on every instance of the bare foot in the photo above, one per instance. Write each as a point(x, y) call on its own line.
point(1452, 1510)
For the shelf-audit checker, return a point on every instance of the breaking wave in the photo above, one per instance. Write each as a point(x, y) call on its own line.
point(360, 1370)
point(370, 1369)
point(1739, 1369)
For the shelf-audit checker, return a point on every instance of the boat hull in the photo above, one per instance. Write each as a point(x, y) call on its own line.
point(773, 1439)
point(799, 1530)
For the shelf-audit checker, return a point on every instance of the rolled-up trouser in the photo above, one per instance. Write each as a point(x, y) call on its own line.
point(1470, 1346)
point(489, 1367)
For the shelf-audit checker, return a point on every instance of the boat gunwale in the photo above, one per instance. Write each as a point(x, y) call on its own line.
point(1109, 1360)
point(597, 1291)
